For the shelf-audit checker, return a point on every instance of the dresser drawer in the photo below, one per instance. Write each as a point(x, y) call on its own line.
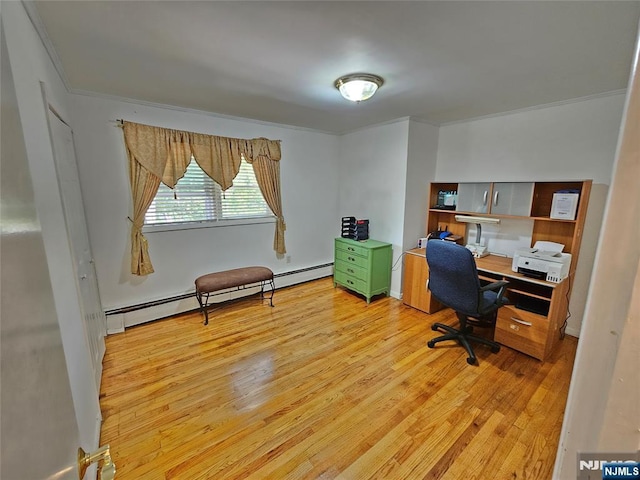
point(521, 330)
point(352, 270)
point(352, 248)
point(350, 281)
point(349, 258)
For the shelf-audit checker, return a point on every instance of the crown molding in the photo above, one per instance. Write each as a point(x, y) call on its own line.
point(135, 101)
point(36, 21)
point(559, 103)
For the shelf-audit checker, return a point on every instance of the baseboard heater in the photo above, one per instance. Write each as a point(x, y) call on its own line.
point(302, 270)
point(177, 298)
point(154, 303)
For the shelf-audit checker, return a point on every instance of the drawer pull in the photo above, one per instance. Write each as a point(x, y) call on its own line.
point(351, 259)
point(351, 249)
point(350, 282)
point(350, 270)
point(521, 322)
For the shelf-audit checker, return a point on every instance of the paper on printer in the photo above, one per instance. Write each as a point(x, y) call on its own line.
point(545, 260)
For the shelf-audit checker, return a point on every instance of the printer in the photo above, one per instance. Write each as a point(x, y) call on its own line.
point(545, 261)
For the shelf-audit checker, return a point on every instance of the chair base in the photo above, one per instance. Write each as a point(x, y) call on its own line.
point(463, 336)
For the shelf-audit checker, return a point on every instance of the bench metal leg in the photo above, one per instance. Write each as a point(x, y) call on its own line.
point(203, 299)
point(272, 287)
point(203, 307)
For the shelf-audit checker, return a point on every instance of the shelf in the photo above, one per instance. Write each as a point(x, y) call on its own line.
point(532, 289)
point(491, 215)
point(548, 219)
point(528, 294)
point(440, 210)
point(529, 303)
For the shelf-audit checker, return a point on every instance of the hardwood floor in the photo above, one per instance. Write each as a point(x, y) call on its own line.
point(324, 386)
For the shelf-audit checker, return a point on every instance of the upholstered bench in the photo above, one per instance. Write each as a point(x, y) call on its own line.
point(239, 278)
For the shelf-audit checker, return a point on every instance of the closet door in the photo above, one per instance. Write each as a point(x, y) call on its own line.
point(86, 281)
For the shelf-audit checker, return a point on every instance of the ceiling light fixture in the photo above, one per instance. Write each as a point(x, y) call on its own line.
point(357, 87)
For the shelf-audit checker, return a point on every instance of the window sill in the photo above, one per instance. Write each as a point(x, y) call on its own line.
point(209, 224)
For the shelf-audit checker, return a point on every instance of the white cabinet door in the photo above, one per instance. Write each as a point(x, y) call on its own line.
point(512, 198)
point(473, 197)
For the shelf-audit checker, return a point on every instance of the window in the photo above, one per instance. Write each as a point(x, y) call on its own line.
point(197, 199)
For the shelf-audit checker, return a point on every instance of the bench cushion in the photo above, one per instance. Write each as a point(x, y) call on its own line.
point(213, 282)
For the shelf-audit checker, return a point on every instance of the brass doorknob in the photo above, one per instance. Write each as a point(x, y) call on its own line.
point(108, 469)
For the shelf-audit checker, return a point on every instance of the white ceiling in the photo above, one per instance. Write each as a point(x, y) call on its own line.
point(277, 61)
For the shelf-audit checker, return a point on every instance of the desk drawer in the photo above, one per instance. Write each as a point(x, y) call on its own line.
point(352, 249)
point(523, 331)
point(349, 258)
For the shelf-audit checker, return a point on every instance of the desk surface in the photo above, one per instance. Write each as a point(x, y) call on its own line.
point(497, 265)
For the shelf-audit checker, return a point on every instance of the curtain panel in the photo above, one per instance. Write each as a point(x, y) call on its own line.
point(162, 155)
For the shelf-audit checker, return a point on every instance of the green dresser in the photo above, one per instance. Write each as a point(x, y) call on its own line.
point(364, 267)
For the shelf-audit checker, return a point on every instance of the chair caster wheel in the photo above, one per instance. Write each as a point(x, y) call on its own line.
point(431, 344)
point(471, 361)
point(434, 328)
point(495, 349)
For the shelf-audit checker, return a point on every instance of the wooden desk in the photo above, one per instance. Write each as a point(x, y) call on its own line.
point(530, 323)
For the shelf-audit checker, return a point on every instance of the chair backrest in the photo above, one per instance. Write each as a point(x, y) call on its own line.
point(453, 277)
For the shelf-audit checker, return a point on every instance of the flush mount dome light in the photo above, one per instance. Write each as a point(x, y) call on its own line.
point(357, 87)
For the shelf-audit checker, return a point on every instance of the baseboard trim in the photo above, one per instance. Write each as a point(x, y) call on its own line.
point(120, 318)
point(573, 332)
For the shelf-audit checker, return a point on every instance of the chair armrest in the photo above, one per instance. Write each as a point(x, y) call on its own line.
point(500, 285)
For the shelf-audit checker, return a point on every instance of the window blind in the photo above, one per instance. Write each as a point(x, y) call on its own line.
point(197, 198)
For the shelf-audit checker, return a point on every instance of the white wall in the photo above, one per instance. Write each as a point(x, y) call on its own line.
point(422, 159)
point(31, 66)
point(573, 141)
point(309, 178)
point(603, 406)
point(373, 172)
point(570, 141)
point(32, 365)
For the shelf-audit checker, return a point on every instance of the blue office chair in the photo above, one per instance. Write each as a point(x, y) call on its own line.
point(454, 282)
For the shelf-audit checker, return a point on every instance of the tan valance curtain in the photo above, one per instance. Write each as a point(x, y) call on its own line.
point(163, 155)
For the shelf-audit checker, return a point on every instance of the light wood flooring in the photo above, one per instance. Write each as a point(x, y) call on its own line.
point(324, 386)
